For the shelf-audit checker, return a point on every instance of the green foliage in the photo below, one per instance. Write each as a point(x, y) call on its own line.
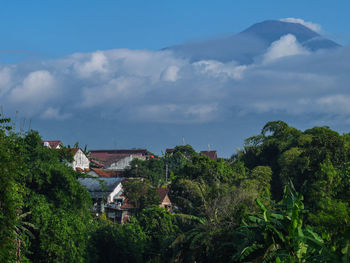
point(161, 229)
point(44, 212)
point(140, 193)
point(201, 168)
point(153, 170)
point(186, 150)
point(224, 211)
point(280, 235)
point(11, 192)
point(115, 243)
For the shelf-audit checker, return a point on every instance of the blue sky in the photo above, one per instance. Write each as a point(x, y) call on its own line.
point(93, 72)
point(55, 28)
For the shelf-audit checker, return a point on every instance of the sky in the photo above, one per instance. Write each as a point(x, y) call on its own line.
point(95, 72)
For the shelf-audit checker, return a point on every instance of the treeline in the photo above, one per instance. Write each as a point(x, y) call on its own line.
point(283, 198)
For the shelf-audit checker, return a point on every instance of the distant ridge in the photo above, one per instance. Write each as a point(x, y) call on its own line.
point(272, 30)
point(252, 42)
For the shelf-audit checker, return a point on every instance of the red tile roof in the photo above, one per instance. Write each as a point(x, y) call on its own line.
point(162, 192)
point(211, 154)
point(122, 151)
point(169, 150)
point(82, 170)
point(108, 173)
point(75, 150)
point(96, 163)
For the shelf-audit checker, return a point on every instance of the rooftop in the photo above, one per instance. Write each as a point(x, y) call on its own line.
point(211, 154)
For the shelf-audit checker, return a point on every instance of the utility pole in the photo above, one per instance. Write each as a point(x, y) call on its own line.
point(166, 173)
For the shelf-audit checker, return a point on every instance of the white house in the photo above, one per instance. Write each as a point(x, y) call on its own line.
point(80, 161)
point(52, 144)
point(107, 193)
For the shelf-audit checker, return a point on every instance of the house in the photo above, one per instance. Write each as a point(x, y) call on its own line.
point(117, 159)
point(164, 198)
point(103, 190)
point(169, 150)
point(52, 144)
point(212, 155)
point(80, 161)
point(107, 196)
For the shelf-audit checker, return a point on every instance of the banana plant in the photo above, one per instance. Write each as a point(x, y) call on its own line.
point(279, 235)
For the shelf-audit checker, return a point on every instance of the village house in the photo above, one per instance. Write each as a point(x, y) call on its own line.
point(164, 198)
point(212, 155)
point(103, 190)
point(107, 196)
point(116, 159)
point(169, 150)
point(52, 144)
point(80, 161)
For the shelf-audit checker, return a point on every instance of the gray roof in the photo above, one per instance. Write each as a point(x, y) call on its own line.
point(100, 184)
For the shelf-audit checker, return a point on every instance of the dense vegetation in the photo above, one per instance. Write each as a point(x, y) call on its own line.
point(283, 198)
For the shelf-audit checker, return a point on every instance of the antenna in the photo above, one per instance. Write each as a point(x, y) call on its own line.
point(22, 126)
point(30, 124)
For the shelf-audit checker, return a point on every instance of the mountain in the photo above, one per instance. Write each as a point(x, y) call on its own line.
point(252, 42)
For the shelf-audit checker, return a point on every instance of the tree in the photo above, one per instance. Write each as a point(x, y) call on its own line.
point(161, 229)
point(115, 243)
point(37, 183)
point(152, 170)
point(279, 234)
point(11, 191)
point(140, 193)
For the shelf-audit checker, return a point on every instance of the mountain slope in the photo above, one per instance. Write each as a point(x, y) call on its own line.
point(252, 42)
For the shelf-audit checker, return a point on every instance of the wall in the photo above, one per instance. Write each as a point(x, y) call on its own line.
point(80, 161)
point(124, 163)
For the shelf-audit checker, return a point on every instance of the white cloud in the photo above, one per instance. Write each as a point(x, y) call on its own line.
point(286, 46)
point(202, 113)
point(157, 86)
point(336, 104)
point(219, 69)
point(54, 113)
point(114, 92)
point(310, 25)
point(36, 87)
point(5, 80)
point(97, 63)
point(170, 73)
point(175, 113)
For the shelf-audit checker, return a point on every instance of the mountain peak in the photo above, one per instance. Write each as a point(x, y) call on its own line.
point(252, 42)
point(272, 30)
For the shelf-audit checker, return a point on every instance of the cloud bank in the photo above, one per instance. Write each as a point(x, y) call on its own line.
point(158, 86)
point(314, 27)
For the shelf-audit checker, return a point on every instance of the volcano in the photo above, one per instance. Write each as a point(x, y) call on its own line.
point(252, 42)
